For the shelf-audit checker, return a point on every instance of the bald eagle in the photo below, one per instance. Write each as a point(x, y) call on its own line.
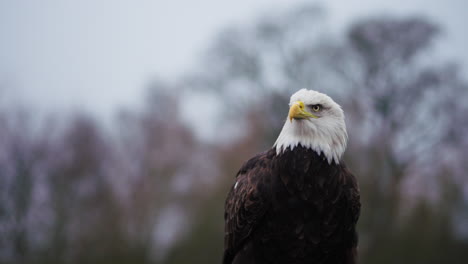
point(297, 202)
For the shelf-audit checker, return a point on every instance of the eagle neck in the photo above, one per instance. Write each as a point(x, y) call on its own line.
point(327, 139)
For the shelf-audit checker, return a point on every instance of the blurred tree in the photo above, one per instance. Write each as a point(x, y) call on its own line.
point(86, 217)
point(17, 162)
point(168, 173)
point(401, 96)
point(23, 145)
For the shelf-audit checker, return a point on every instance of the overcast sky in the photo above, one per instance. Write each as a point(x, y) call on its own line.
point(99, 54)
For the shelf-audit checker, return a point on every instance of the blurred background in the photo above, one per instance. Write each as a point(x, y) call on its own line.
point(123, 124)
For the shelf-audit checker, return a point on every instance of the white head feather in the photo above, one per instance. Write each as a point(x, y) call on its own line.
point(325, 134)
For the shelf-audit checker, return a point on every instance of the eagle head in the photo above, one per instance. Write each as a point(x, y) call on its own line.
point(314, 121)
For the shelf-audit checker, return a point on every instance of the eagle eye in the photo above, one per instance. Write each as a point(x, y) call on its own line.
point(316, 107)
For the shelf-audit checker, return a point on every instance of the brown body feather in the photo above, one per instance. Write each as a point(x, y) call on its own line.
point(291, 208)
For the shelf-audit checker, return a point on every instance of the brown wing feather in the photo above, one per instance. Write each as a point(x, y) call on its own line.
point(245, 206)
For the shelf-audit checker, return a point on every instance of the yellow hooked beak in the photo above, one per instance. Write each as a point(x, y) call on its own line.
point(297, 111)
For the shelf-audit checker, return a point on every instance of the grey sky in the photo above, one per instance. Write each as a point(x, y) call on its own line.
point(99, 54)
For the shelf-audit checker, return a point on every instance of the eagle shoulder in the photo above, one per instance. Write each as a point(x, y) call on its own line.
point(247, 203)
